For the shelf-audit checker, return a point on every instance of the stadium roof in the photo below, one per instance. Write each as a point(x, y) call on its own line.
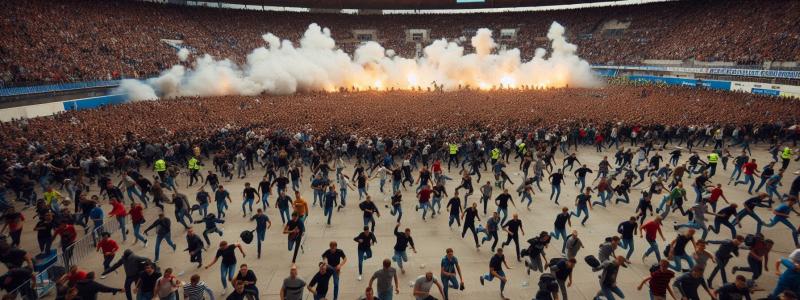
point(407, 4)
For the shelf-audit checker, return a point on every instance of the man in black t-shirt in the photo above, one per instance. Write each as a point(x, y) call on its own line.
point(294, 230)
point(513, 227)
point(146, 285)
point(469, 216)
point(228, 265)
point(365, 241)
point(248, 279)
point(560, 227)
point(249, 195)
point(321, 280)
point(335, 258)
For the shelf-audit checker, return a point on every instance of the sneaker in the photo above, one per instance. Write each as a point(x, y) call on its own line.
point(103, 277)
point(359, 277)
point(482, 283)
point(461, 287)
point(181, 273)
point(411, 284)
point(735, 269)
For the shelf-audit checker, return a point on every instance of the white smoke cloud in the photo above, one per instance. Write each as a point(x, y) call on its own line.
point(282, 68)
point(183, 54)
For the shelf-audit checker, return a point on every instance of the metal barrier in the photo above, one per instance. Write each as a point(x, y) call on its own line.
point(45, 280)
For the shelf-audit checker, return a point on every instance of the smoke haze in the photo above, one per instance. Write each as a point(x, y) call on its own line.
point(316, 65)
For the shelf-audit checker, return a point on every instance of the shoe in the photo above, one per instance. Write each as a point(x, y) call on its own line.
point(735, 269)
point(145, 243)
point(461, 287)
point(482, 283)
point(708, 281)
point(359, 277)
point(103, 277)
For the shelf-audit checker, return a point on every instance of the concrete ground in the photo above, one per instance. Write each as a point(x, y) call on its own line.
point(432, 237)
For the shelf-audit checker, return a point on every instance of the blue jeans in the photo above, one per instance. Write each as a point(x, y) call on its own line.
point(609, 291)
point(677, 262)
point(779, 219)
point(260, 236)
point(137, 233)
point(744, 212)
point(328, 211)
point(761, 183)
point(424, 206)
point(144, 295)
point(395, 187)
point(335, 276)
point(221, 206)
point(386, 295)
point(560, 233)
point(265, 201)
point(748, 178)
point(436, 204)
point(397, 210)
point(318, 194)
point(122, 228)
point(368, 220)
point(627, 244)
point(653, 247)
point(489, 277)
point(362, 256)
point(504, 211)
point(556, 190)
point(454, 218)
point(249, 203)
point(166, 238)
point(447, 283)
point(361, 193)
point(226, 271)
point(526, 195)
point(284, 211)
point(582, 181)
point(343, 196)
point(400, 257)
point(577, 213)
point(773, 190)
point(204, 209)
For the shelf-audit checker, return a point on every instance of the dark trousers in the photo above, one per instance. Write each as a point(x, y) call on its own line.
point(515, 238)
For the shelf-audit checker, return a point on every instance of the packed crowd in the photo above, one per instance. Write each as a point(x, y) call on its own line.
point(80, 40)
point(71, 167)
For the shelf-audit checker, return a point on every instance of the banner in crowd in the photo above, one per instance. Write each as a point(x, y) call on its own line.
point(712, 71)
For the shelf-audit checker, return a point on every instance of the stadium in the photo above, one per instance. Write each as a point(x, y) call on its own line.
point(306, 149)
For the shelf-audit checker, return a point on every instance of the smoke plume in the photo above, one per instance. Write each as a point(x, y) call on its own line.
point(316, 65)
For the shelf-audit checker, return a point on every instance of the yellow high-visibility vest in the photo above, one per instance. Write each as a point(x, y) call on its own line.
point(787, 153)
point(453, 149)
point(160, 165)
point(713, 158)
point(193, 164)
point(495, 153)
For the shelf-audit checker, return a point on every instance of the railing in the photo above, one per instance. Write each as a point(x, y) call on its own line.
point(16, 91)
point(45, 280)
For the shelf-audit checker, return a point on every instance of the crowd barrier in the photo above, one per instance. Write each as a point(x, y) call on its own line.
point(59, 87)
point(46, 278)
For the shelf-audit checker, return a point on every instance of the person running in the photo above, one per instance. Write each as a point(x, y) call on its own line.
point(685, 286)
point(583, 203)
point(469, 216)
point(336, 259)
point(454, 207)
point(486, 194)
point(294, 230)
point(195, 247)
point(228, 264)
point(502, 204)
point(109, 248)
point(384, 276)
point(722, 217)
point(562, 269)
point(318, 286)
point(300, 206)
point(580, 176)
point(210, 221)
point(369, 209)
point(535, 252)
point(627, 231)
point(492, 228)
point(677, 251)
point(781, 215)
point(659, 282)
point(555, 183)
point(397, 207)
point(328, 202)
point(403, 241)
point(727, 249)
point(163, 233)
point(513, 228)
point(365, 241)
point(496, 271)
point(608, 278)
point(283, 202)
point(292, 287)
point(749, 210)
point(424, 196)
point(449, 268)
point(220, 195)
point(758, 257)
point(423, 285)
point(133, 266)
point(736, 290)
point(649, 231)
point(196, 289)
point(262, 225)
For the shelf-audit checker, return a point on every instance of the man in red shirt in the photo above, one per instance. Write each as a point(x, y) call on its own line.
point(649, 231)
point(659, 282)
point(68, 236)
point(424, 196)
point(758, 258)
point(716, 193)
point(118, 211)
point(74, 276)
point(137, 219)
point(109, 248)
point(750, 169)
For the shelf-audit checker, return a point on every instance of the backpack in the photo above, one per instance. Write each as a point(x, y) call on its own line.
point(554, 261)
point(750, 240)
point(592, 261)
point(246, 236)
point(547, 282)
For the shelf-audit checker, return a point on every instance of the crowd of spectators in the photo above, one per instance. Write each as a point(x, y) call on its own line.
point(79, 40)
